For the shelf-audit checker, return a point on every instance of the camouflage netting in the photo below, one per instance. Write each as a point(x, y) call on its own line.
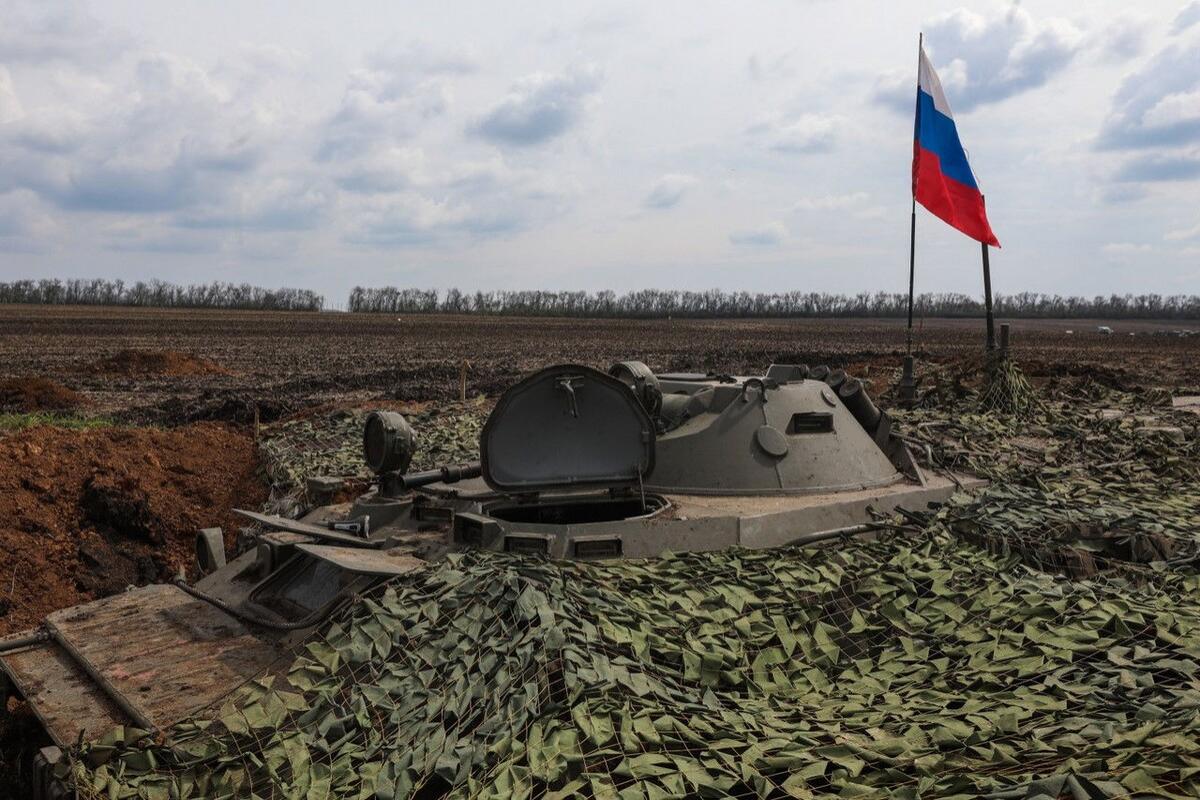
point(919, 665)
point(902, 668)
point(1084, 481)
point(1007, 390)
point(330, 445)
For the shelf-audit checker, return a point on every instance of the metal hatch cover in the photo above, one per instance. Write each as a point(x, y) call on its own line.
point(365, 562)
point(567, 426)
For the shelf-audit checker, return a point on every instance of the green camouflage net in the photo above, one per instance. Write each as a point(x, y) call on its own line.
point(960, 660)
point(896, 668)
point(1084, 482)
point(330, 445)
point(1007, 390)
point(319, 445)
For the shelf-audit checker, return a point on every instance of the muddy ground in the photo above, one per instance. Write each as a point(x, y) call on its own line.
point(282, 362)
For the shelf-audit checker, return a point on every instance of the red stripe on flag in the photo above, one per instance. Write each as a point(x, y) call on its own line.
point(955, 203)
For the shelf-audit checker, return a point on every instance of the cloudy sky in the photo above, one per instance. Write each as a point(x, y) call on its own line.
point(758, 145)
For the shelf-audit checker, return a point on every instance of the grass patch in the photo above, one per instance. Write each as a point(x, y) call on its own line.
point(16, 421)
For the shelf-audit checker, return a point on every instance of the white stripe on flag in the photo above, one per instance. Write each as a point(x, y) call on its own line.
point(927, 80)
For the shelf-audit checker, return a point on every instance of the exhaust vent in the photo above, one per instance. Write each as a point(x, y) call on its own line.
point(810, 422)
point(607, 547)
point(529, 544)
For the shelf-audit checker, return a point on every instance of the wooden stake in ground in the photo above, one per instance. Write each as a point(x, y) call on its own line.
point(462, 380)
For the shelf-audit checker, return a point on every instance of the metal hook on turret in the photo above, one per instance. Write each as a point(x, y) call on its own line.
point(762, 389)
point(567, 384)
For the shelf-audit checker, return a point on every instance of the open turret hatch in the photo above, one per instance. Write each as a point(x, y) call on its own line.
point(567, 427)
point(562, 436)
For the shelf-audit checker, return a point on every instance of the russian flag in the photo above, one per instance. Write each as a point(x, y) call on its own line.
point(942, 178)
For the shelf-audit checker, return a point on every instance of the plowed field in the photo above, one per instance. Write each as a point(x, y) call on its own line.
point(218, 365)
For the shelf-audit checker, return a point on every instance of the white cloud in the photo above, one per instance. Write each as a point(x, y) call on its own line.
point(768, 235)
point(668, 191)
point(1159, 167)
point(455, 205)
point(383, 169)
point(1158, 105)
point(986, 58)
point(388, 101)
point(1155, 115)
point(1122, 193)
point(1180, 108)
point(770, 68)
point(1124, 38)
point(278, 204)
point(48, 130)
point(160, 142)
point(832, 202)
point(10, 105)
point(165, 242)
point(38, 32)
point(1183, 234)
point(1126, 248)
point(1188, 16)
point(540, 107)
point(799, 134)
point(418, 60)
point(411, 219)
point(24, 225)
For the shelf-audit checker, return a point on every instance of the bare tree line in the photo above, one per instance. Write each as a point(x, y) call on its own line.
point(639, 304)
point(159, 294)
point(715, 303)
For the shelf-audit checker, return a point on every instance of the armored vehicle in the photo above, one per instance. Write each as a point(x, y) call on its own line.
point(574, 463)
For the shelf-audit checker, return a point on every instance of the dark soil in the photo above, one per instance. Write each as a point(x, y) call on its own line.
point(157, 362)
point(302, 360)
point(21, 736)
point(237, 408)
point(37, 394)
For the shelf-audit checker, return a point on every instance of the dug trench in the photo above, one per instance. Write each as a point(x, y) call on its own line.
point(87, 513)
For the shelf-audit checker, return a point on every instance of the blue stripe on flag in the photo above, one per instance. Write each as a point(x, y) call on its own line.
point(937, 133)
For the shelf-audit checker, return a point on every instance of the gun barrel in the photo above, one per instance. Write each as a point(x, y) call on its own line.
point(447, 474)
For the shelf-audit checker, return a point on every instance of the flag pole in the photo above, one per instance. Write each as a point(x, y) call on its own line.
point(907, 388)
point(912, 229)
point(987, 295)
point(912, 267)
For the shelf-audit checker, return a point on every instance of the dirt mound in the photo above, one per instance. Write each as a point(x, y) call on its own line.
point(37, 394)
point(239, 408)
point(87, 513)
point(158, 362)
